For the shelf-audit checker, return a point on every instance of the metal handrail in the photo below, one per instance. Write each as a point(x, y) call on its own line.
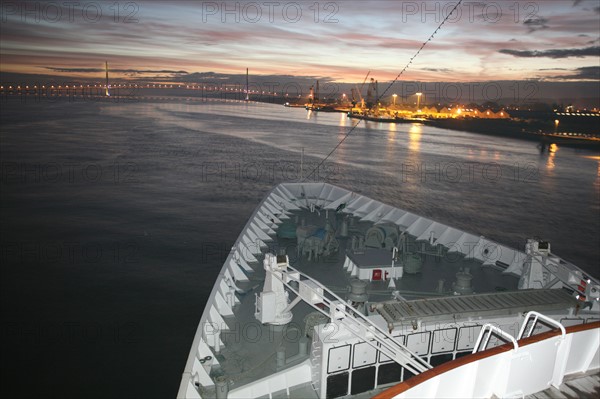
point(538, 316)
point(491, 329)
point(559, 263)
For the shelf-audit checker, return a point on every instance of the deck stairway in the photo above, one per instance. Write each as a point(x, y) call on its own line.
point(340, 312)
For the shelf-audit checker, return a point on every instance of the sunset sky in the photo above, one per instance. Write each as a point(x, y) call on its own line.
point(549, 40)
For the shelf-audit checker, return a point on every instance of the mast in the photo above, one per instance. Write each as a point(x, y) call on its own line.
point(317, 93)
point(247, 92)
point(106, 68)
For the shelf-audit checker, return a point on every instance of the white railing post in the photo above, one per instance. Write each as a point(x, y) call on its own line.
point(491, 329)
point(539, 316)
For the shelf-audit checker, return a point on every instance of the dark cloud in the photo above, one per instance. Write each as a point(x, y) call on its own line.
point(437, 69)
point(578, 2)
point(225, 78)
point(76, 70)
point(535, 24)
point(126, 71)
point(554, 53)
point(583, 73)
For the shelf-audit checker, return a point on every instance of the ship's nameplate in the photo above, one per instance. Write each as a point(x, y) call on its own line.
point(461, 306)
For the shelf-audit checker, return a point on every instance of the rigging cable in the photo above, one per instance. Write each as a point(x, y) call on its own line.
point(385, 91)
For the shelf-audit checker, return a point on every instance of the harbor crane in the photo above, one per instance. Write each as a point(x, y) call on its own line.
point(359, 91)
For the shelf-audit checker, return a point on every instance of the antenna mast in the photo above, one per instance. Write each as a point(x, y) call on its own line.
point(106, 68)
point(247, 92)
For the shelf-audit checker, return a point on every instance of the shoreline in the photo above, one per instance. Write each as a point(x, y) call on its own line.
point(533, 131)
point(530, 130)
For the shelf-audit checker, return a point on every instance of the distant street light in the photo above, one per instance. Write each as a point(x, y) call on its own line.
point(394, 96)
point(418, 100)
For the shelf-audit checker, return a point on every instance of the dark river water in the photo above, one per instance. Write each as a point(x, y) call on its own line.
point(116, 218)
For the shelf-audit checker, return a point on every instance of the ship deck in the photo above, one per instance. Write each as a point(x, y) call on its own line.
point(249, 351)
point(577, 386)
point(335, 237)
point(438, 264)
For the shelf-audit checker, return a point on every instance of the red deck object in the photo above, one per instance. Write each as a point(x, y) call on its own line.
point(376, 274)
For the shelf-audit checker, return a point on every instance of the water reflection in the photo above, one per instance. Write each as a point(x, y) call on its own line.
point(391, 132)
point(343, 119)
point(414, 137)
point(340, 155)
point(550, 165)
point(390, 148)
point(597, 180)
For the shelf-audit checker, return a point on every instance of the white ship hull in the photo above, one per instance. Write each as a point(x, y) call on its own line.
point(288, 326)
